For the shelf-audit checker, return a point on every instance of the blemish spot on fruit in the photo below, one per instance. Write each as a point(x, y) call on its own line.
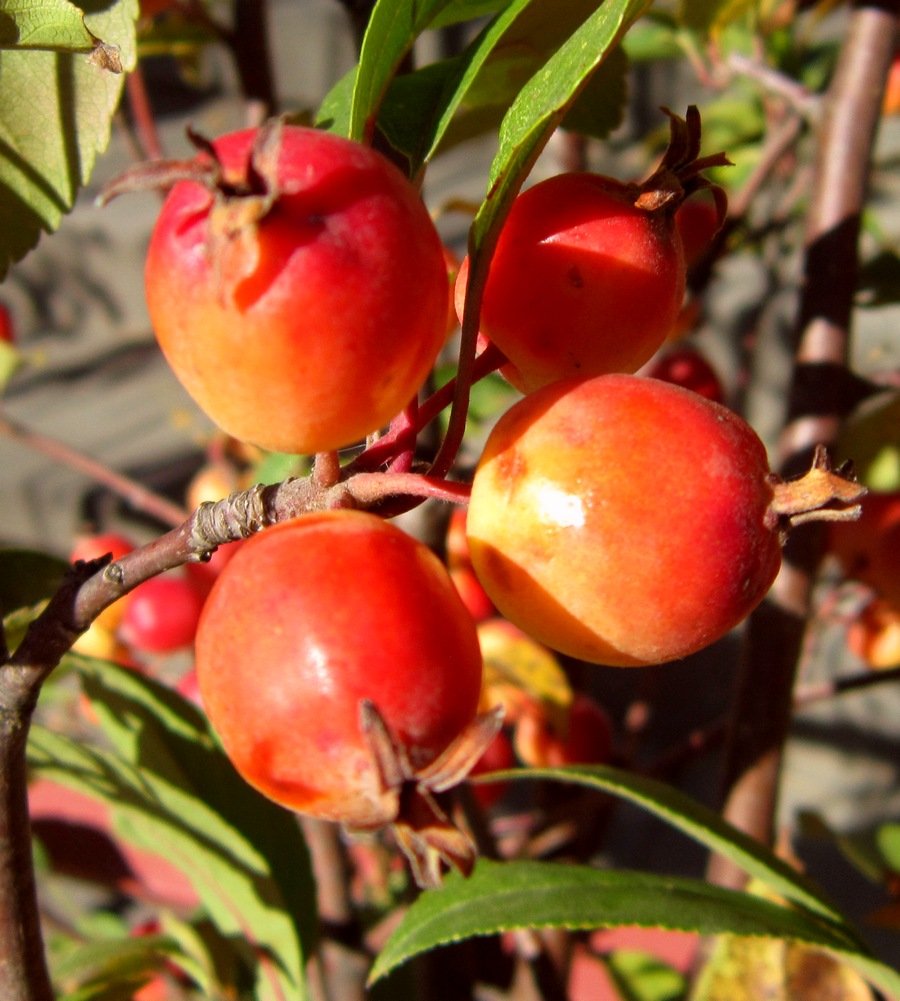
point(576, 279)
point(511, 466)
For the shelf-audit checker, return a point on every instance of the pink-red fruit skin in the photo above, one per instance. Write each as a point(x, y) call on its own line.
point(582, 282)
point(309, 618)
point(316, 324)
point(623, 520)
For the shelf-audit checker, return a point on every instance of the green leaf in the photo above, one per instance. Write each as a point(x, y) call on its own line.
point(393, 28)
point(640, 976)
point(102, 962)
point(420, 107)
point(700, 823)
point(55, 120)
point(500, 896)
point(447, 102)
point(44, 24)
point(600, 107)
point(173, 792)
point(467, 10)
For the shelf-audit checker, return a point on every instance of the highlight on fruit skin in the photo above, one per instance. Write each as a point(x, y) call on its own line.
point(626, 521)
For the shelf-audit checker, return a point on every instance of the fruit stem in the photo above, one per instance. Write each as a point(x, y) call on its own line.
point(820, 494)
point(401, 432)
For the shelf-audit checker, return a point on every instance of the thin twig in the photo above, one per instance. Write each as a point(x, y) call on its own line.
point(135, 494)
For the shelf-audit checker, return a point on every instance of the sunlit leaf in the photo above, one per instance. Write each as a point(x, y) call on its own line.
point(44, 24)
point(703, 825)
point(501, 896)
point(393, 27)
point(172, 792)
point(54, 121)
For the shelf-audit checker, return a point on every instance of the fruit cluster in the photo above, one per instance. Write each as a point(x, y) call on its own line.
point(299, 290)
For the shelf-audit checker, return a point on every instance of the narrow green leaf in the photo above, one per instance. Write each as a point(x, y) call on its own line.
point(44, 24)
point(500, 896)
point(450, 101)
point(703, 825)
point(114, 959)
point(393, 28)
point(51, 133)
point(467, 10)
point(172, 792)
point(420, 106)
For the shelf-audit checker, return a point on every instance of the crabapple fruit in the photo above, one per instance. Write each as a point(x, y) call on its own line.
point(297, 287)
point(92, 547)
point(868, 549)
point(313, 618)
point(627, 521)
point(697, 221)
point(586, 737)
point(161, 615)
point(583, 281)
point(686, 367)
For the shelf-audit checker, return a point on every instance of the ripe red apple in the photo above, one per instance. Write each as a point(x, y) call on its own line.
point(697, 220)
point(583, 281)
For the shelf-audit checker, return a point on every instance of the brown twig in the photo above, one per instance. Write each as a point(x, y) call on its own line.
point(762, 707)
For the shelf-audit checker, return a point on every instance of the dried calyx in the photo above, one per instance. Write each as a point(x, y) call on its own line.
point(248, 194)
point(423, 829)
point(822, 493)
point(680, 172)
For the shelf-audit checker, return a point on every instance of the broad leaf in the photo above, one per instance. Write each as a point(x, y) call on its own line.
point(55, 120)
point(502, 896)
point(44, 24)
point(172, 792)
